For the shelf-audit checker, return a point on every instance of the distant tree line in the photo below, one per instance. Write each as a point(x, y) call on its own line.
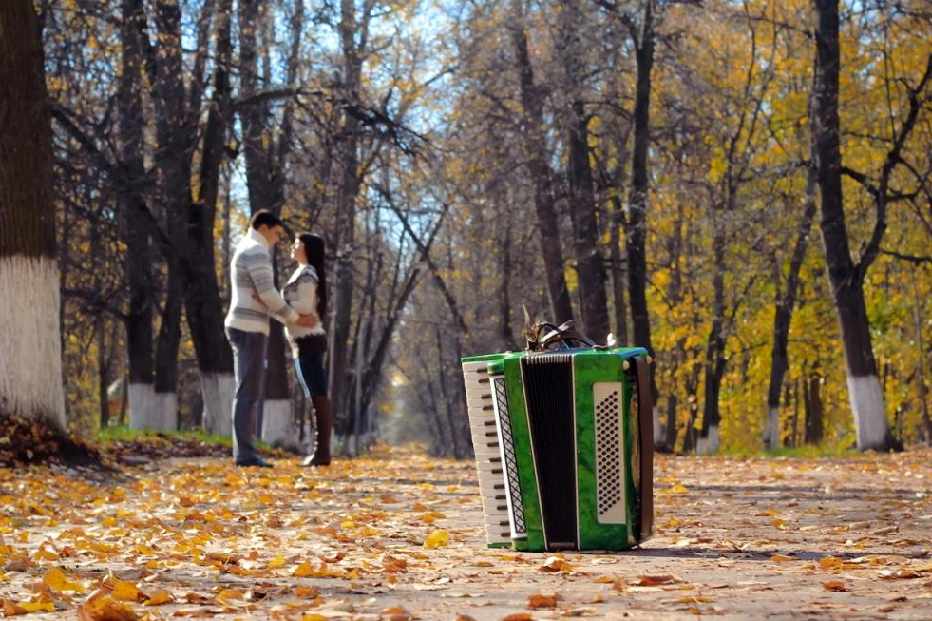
point(655, 169)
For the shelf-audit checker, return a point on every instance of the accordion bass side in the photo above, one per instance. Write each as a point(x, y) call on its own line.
point(564, 447)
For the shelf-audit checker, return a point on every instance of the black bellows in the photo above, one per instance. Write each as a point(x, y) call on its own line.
point(548, 392)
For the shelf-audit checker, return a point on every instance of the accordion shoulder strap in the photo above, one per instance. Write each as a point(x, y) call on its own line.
point(566, 332)
point(646, 438)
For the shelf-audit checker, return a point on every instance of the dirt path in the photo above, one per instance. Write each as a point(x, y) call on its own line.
point(737, 538)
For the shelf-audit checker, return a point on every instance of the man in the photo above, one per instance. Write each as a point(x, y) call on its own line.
point(254, 300)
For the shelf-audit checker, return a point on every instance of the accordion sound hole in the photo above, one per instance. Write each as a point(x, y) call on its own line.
point(548, 386)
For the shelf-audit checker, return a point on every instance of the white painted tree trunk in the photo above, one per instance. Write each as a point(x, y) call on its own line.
point(143, 413)
point(772, 429)
point(865, 395)
point(167, 407)
point(710, 444)
point(218, 391)
point(278, 426)
point(30, 340)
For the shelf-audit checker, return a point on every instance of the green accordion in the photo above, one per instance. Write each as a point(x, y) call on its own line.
point(564, 447)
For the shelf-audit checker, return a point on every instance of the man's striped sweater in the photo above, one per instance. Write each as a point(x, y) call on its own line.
point(251, 270)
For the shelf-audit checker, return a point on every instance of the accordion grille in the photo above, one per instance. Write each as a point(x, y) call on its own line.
point(609, 459)
point(548, 389)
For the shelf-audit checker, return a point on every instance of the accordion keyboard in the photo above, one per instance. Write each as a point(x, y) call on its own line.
point(488, 452)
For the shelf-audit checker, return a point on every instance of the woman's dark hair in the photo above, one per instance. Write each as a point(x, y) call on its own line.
point(314, 248)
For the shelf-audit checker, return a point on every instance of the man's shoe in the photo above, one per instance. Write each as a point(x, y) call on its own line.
point(257, 461)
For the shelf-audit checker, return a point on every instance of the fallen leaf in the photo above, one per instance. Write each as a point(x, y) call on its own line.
point(11, 608)
point(693, 599)
point(654, 580)
point(126, 591)
point(554, 564)
point(158, 598)
point(675, 489)
point(396, 613)
point(37, 606)
point(305, 591)
point(835, 585)
point(905, 574)
point(437, 539)
point(57, 580)
point(304, 570)
point(539, 601)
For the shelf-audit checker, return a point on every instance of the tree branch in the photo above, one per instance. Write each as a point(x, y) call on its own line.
point(894, 157)
point(907, 257)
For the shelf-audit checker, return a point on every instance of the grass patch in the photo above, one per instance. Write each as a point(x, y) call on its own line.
point(801, 452)
point(117, 433)
point(811, 451)
point(172, 443)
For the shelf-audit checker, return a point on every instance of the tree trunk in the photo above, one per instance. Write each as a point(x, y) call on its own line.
point(583, 208)
point(619, 279)
point(508, 333)
point(172, 160)
point(714, 367)
point(31, 364)
point(636, 237)
point(865, 394)
point(166, 354)
point(779, 359)
point(103, 369)
point(202, 296)
point(669, 432)
point(692, 400)
point(265, 165)
point(346, 212)
point(921, 364)
point(535, 150)
point(448, 407)
point(794, 428)
point(815, 410)
point(138, 266)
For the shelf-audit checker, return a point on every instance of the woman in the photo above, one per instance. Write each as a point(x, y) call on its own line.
point(306, 291)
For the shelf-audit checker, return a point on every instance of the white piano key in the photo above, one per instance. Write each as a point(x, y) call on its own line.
point(480, 414)
point(477, 388)
point(476, 379)
point(481, 365)
point(475, 393)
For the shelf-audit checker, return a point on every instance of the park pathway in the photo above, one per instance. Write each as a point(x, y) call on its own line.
point(397, 535)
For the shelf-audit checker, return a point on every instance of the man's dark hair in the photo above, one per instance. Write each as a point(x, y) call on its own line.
point(266, 217)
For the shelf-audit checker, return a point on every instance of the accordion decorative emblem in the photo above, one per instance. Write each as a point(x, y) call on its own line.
point(564, 447)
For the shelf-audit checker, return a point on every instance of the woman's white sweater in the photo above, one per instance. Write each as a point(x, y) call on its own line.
point(301, 294)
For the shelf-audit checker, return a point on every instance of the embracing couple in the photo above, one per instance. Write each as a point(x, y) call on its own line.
point(301, 306)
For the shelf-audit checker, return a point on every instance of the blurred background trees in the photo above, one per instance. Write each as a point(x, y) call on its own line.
point(653, 168)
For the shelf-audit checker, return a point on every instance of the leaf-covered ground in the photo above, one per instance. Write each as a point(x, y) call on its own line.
point(398, 536)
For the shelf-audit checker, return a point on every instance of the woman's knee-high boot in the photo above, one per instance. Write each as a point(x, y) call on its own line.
point(323, 416)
